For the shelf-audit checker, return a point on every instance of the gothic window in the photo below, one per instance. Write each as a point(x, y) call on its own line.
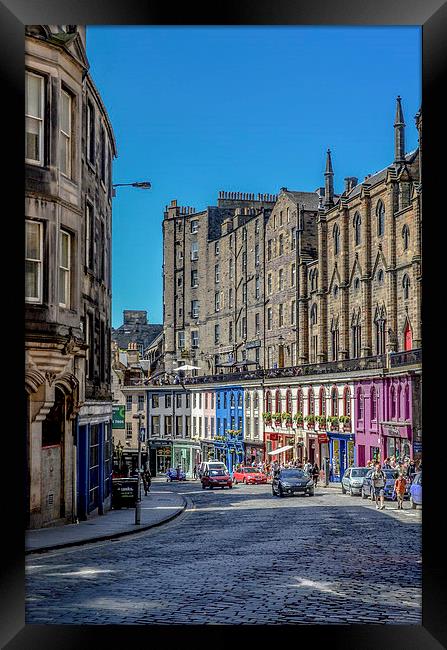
point(268, 402)
point(322, 401)
point(406, 236)
point(347, 401)
point(356, 335)
point(380, 327)
point(406, 286)
point(311, 402)
point(380, 212)
point(380, 277)
point(289, 401)
point(299, 401)
point(336, 236)
point(334, 340)
point(357, 233)
point(313, 315)
point(281, 245)
point(357, 284)
point(334, 401)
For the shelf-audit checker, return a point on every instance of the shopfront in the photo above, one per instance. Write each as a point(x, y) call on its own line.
point(235, 454)
point(254, 452)
point(396, 441)
point(160, 457)
point(184, 456)
point(275, 441)
point(341, 453)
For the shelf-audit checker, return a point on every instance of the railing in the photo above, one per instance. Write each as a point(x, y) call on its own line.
point(405, 358)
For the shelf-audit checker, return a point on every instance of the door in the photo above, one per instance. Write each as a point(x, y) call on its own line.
point(361, 455)
point(408, 339)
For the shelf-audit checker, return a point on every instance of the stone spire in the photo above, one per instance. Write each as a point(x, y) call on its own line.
point(328, 182)
point(399, 133)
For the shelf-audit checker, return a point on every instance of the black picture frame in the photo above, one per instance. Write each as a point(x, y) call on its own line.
point(432, 16)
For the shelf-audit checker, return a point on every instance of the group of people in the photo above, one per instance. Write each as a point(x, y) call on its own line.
point(406, 473)
point(405, 466)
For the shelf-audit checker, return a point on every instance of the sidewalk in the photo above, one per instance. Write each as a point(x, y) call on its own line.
point(157, 508)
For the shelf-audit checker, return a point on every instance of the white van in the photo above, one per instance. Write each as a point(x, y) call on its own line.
point(211, 464)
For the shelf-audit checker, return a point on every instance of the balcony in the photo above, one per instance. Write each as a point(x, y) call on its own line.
point(409, 357)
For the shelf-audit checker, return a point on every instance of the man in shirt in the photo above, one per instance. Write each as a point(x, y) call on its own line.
point(378, 480)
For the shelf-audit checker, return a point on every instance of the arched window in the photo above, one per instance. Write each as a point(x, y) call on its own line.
point(311, 401)
point(406, 286)
point(406, 236)
point(268, 402)
point(255, 400)
point(407, 403)
point(313, 315)
point(232, 402)
point(281, 245)
point(299, 401)
point(357, 284)
point(360, 403)
point(239, 399)
point(289, 401)
point(373, 404)
point(322, 401)
point(380, 212)
point(278, 406)
point(336, 236)
point(380, 326)
point(380, 276)
point(334, 401)
point(393, 402)
point(347, 401)
point(357, 232)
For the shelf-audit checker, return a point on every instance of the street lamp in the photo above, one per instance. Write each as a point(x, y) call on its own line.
point(142, 185)
point(141, 436)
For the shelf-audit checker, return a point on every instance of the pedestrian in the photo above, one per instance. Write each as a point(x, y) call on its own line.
point(146, 481)
point(399, 488)
point(386, 464)
point(308, 467)
point(378, 480)
point(315, 474)
point(194, 471)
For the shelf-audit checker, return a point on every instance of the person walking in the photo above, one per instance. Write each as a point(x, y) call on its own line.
point(194, 471)
point(399, 488)
point(315, 474)
point(146, 481)
point(378, 480)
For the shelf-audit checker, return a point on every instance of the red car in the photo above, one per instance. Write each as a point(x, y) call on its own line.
point(249, 475)
point(216, 478)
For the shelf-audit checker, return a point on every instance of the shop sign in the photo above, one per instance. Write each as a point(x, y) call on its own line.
point(252, 344)
point(274, 436)
point(417, 447)
point(323, 437)
point(118, 416)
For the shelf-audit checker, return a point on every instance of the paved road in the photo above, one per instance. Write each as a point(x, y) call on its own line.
point(242, 556)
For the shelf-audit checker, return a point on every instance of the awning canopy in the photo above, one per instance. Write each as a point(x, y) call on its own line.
point(278, 451)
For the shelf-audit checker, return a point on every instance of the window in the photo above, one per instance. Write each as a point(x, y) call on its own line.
point(65, 134)
point(216, 273)
point(187, 401)
point(155, 401)
point(407, 403)
point(217, 248)
point(278, 402)
point(269, 318)
point(336, 237)
point(128, 402)
point(280, 217)
point(230, 268)
point(244, 261)
point(168, 401)
point(178, 401)
point(34, 119)
point(257, 325)
point(33, 261)
point(299, 401)
point(269, 284)
point(257, 227)
point(311, 402)
point(293, 239)
point(313, 315)
point(101, 257)
point(232, 401)
point(406, 286)
point(280, 280)
point(373, 404)
point(292, 312)
point(292, 275)
point(230, 331)
point(168, 425)
point(194, 250)
point(356, 334)
point(334, 401)
point(393, 402)
point(281, 245)
point(380, 276)
point(360, 404)
point(90, 133)
point(212, 427)
point(257, 287)
point(257, 255)
point(335, 291)
point(380, 212)
point(64, 268)
point(280, 315)
point(406, 236)
point(194, 226)
point(179, 425)
point(194, 278)
point(247, 400)
point(230, 298)
point(244, 294)
point(380, 325)
point(195, 308)
point(288, 401)
point(90, 340)
point(239, 400)
point(335, 341)
point(89, 235)
point(194, 338)
point(347, 401)
point(322, 401)
point(217, 301)
point(357, 231)
point(269, 250)
point(244, 327)
point(357, 284)
point(128, 430)
point(181, 340)
point(216, 334)
point(141, 402)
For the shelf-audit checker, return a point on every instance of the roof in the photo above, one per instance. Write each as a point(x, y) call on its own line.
point(309, 199)
point(142, 334)
point(379, 176)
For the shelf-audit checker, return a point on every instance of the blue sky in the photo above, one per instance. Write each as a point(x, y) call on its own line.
point(196, 110)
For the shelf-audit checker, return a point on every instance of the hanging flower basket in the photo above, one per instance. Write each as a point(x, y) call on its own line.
point(267, 418)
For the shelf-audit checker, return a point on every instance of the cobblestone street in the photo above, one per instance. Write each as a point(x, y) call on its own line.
point(241, 556)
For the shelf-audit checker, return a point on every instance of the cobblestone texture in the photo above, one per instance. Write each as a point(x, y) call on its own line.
point(242, 556)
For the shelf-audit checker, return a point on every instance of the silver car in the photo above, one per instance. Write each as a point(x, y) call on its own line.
point(352, 480)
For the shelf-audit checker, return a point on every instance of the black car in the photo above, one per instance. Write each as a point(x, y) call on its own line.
point(292, 481)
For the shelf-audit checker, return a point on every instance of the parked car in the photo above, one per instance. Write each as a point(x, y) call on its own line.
point(352, 480)
point(391, 476)
point(218, 477)
point(292, 481)
point(210, 464)
point(175, 475)
point(416, 491)
point(249, 475)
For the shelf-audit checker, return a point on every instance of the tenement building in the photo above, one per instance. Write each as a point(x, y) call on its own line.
point(311, 302)
point(69, 147)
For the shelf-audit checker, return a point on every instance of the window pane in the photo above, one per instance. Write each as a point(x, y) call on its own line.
point(62, 286)
point(65, 155)
point(34, 95)
point(32, 280)
point(65, 238)
point(32, 250)
point(32, 146)
point(65, 113)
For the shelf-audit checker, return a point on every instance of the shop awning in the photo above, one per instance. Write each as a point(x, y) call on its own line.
point(278, 451)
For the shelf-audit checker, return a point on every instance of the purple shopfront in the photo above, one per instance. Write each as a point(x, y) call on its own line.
point(383, 418)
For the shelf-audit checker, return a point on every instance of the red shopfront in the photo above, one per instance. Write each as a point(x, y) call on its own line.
point(275, 441)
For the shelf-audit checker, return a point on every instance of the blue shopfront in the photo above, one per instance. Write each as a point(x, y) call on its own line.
point(230, 424)
point(341, 453)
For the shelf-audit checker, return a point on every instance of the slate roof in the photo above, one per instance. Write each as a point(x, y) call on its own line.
point(381, 175)
point(142, 334)
point(309, 199)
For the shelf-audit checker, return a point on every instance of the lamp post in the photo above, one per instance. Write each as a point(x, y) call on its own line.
point(142, 185)
point(141, 434)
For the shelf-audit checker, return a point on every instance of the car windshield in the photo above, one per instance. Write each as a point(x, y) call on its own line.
point(362, 471)
point(250, 470)
point(217, 472)
point(219, 467)
point(293, 473)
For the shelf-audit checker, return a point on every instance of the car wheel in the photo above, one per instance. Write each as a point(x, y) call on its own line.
point(311, 493)
point(412, 503)
point(280, 492)
point(244, 481)
point(211, 487)
point(223, 486)
point(363, 494)
point(350, 491)
point(343, 491)
point(235, 481)
point(230, 486)
point(273, 492)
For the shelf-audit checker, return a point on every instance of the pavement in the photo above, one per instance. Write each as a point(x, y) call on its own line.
point(158, 507)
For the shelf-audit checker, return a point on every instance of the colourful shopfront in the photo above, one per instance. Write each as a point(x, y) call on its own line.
point(341, 453)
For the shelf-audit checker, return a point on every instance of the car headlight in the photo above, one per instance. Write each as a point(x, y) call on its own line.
point(310, 482)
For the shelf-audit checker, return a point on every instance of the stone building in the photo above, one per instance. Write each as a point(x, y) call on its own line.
point(69, 147)
point(136, 329)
